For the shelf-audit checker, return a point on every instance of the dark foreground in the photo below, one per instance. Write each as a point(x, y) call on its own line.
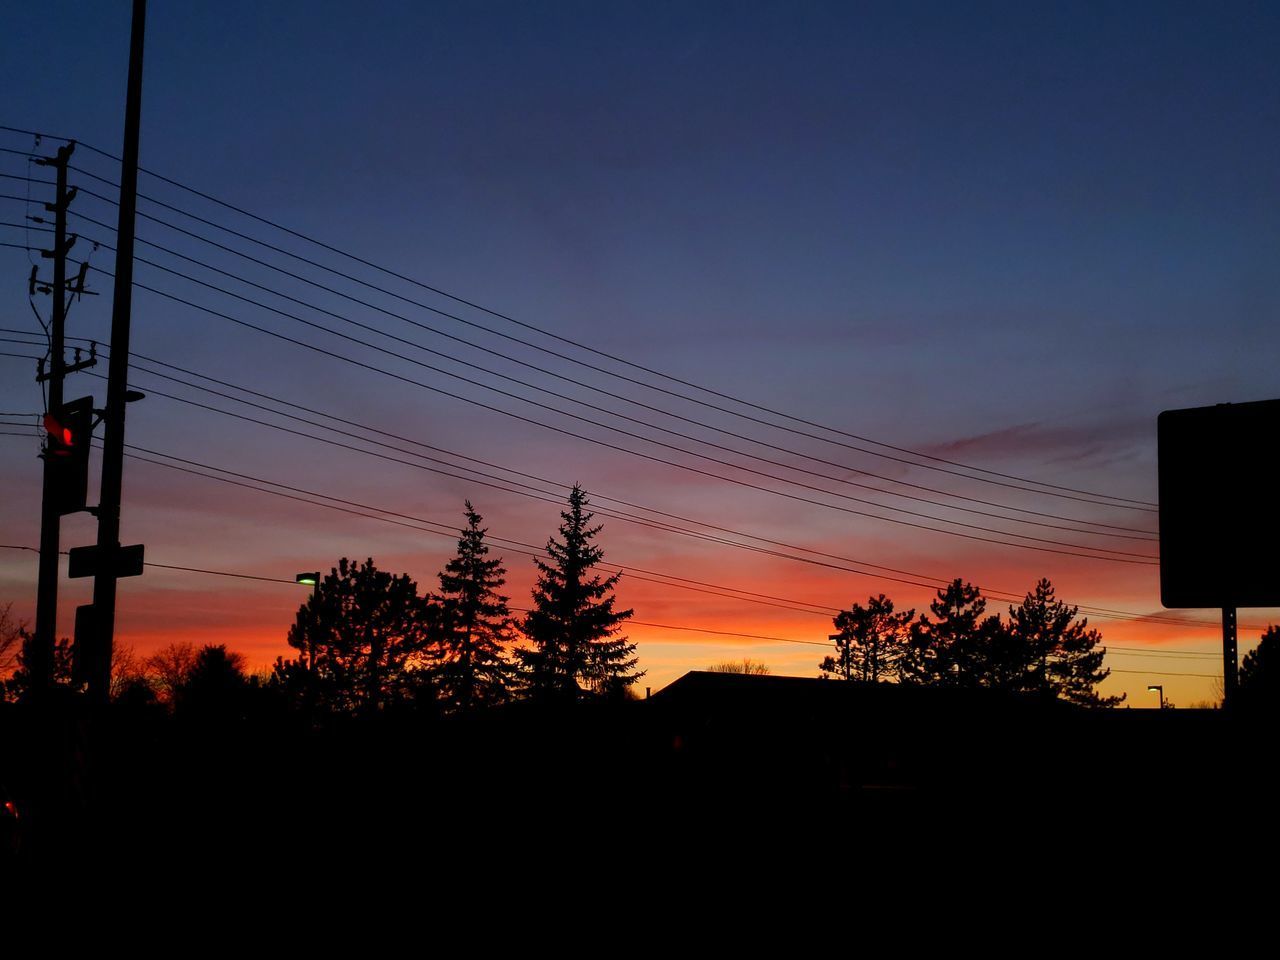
point(140, 782)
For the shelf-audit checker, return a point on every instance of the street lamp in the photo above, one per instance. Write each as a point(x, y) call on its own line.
point(313, 579)
point(1158, 688)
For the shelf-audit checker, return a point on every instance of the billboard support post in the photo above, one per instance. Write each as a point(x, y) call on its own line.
point(1230, 661)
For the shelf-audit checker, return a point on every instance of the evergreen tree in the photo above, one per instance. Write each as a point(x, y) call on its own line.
point(996, 659)
point(473, 627)
point(1059, 656)
point(573, 626)
point(871, 642)
point(361, 639)
point(1260, 673)
point(945, 650)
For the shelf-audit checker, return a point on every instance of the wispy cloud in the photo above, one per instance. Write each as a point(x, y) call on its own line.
point(1051, 443)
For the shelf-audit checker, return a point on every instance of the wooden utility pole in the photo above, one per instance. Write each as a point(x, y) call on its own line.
point(104, 583)
point(39, 657)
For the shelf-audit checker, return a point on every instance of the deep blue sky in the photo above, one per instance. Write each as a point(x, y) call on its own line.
point(1011, 232)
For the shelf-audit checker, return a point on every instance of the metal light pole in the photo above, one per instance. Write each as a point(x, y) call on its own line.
point(1158, 688)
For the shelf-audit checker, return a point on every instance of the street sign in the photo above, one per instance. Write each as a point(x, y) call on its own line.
point(84, 561)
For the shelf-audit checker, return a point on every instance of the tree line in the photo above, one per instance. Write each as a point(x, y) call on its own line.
point(368, 640)
point(1040, 649)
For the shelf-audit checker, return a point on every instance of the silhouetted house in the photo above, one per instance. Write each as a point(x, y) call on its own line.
point(795, 738)
point(942, 754)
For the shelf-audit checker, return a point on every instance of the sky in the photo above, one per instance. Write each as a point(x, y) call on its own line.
point(1002, 235)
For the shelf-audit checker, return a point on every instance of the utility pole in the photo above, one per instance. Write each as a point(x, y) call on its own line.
point(107, 572)
point(40, 656)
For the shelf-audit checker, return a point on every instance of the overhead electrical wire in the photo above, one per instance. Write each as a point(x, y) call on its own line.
point(938, 581)
point(1115, 556)
point(612, 413)
point(630, 622)
point(1100, 553)
point(750, 439)
point(579, 383)
point(310, 495)
point(451, 532)
point(628, 433)
point(569, 341)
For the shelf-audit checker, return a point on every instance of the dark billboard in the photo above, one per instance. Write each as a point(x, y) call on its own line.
point(1219, 505)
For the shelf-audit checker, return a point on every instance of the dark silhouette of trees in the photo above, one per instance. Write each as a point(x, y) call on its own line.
point(1260, 673)
point(947, 649)
point(1042, 650)
point(128, 676)
point(215, 685)
point(1058, 655)
point(997, 659)
point(361, 639)
point(871, 642)
point(472, 628)
point(573, 626)
point(168, 668)
point(747, 666)
point(12, 632)
point(18, 685)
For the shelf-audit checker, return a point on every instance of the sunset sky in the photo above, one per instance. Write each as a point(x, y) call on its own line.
point(1005, 236)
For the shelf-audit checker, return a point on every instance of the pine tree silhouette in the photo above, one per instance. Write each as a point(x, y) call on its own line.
point(573, 625)
point(944, 650)
point(1061, 656)
point(474, 630)
point(871, 642)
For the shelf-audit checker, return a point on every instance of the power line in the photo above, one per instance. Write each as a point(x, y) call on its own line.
point(310, 495)
point(989, 473)
point(616, 396)
point(220, 573)
point(994, 594)
point(545, 495)
point(1166, 673)
point(170, 566)
point(666, 527)
point(938, 581)
point(581, 346)
point(1117, 556)
point(727, 633)
point(1085, 521)
point(558, 484)
point(399, 519)
point(413, 523)
point(641, 623)
point(1144, 534)
point(628, 433)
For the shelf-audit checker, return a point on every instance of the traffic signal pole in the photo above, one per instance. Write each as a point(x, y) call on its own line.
point(39, 657)
point(105, 579)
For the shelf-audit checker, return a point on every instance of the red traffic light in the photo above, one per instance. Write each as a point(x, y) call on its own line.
point(70, 429)
point(59, 433)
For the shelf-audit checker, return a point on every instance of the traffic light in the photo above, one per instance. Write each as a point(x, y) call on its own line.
point(66, 453)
